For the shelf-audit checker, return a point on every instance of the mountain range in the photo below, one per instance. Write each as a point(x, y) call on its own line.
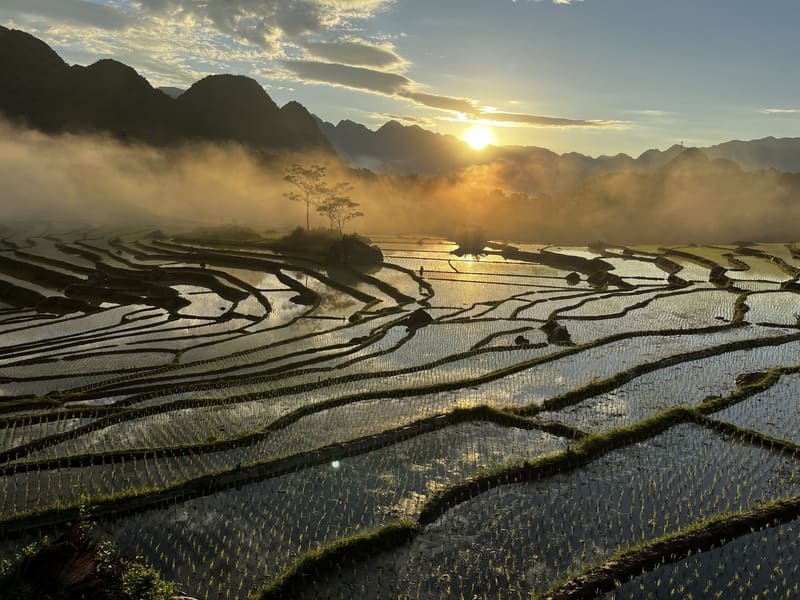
point(39, 89)
point(411, 149)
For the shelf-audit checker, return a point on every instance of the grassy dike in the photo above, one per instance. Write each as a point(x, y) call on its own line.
point(697, 538)
point(582, 453)
point(138, 500)
point(626, 564)
point(325, 559)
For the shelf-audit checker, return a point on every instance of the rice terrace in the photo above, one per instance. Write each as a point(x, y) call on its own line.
point(260, 421)
point(399, 300)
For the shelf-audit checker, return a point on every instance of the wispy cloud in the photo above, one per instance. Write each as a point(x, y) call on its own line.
point(781, 111)
point(401, 87)
point(337, 74)
point(267, 22)
point(652, 112)
point(440, 102)
point(71, 11)
point(545, 121)
point(355, 52)
point(403, 119)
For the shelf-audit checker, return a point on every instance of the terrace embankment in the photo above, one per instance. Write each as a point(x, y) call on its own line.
point(296, 394)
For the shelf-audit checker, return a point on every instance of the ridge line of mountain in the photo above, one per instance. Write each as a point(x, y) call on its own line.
point(39, 89)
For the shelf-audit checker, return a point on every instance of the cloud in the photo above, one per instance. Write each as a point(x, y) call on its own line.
point(354, 52)
point(448, 103)
point(72, 11)
point(781, 111)
point(176, 42)
point(263, 22)
point(652, 112)
point(360, 78)
point(403, 119)
point(401, 87)
point(544, 121)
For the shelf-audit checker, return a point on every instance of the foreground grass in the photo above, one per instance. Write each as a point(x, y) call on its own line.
point(345, 550)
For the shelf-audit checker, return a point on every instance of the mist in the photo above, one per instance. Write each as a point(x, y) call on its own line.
point(100, 181)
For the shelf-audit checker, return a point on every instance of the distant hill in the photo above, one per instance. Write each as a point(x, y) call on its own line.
point(690, 198)
point(40, 90)
point(395, 148)
point(782, 154)
point(400, 149)
point(172, 92)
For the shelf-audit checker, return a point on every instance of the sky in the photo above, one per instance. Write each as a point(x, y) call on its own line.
point(590, 76)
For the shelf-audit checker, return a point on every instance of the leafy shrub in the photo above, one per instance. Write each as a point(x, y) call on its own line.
point(75, 567)
point(472, 241)
point(142, 582)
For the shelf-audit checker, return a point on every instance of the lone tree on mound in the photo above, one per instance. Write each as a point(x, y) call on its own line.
point(339, 207)
point(311, 183)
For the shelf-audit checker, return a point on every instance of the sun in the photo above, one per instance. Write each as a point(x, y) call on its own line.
point(478, 137)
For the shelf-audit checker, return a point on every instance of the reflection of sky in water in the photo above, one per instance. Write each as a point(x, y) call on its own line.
point(340, 496)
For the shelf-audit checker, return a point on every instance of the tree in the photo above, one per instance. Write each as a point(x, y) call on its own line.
point(338, 206)
point(311, 183)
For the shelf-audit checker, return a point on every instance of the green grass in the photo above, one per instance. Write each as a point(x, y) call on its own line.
point(698, 537)
point(324, 559)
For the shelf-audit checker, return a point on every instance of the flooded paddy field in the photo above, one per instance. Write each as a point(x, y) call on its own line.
point(527, 423)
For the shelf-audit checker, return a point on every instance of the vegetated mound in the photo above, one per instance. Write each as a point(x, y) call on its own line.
point(472, 241)
point(221, 233)
point(352, 250)
point(76, 567)
point(418, 318)
point(335, 248)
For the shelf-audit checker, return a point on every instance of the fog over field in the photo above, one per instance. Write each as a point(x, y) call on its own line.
point(102, 181)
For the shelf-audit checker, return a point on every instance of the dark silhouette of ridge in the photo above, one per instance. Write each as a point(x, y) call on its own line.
point(397, 148)
point(109, 96)
point(411, 149)
point(172, 92)
point(782, 154)
point(38, 89)
point(29, 69)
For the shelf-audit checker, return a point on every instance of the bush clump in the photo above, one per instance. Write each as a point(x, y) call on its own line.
point(336, 248)
point(471, 241)
point(76, 567)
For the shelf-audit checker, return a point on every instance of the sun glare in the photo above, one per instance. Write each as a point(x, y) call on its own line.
point(478, 137)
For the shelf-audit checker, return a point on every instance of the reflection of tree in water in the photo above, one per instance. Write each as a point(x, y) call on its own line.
point(348, 274)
